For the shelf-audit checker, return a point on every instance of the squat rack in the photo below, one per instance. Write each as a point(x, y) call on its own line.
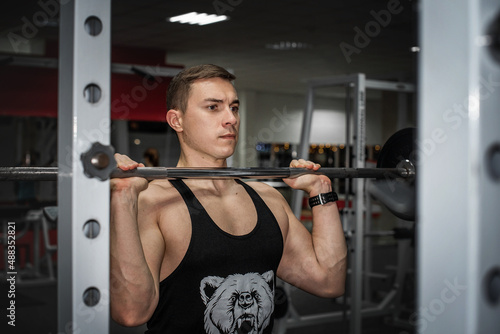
point(470, 221)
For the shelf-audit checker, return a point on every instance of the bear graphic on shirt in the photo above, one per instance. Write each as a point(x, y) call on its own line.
point(238, 303)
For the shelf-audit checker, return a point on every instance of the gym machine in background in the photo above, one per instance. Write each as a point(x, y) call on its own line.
point(356, 86)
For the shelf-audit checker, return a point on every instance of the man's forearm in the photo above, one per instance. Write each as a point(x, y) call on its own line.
point(329, 243)
point(132, 285)
point(328, 236)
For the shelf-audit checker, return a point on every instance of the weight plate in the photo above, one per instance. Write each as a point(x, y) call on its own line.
point(399, 147)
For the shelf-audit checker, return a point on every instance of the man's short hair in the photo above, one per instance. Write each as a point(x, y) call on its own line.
point(180, 86)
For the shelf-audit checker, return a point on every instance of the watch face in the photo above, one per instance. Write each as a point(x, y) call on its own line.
point(326, 198)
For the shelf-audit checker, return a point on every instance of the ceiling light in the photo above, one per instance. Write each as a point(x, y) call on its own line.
point(287, 45)
point(198, 18)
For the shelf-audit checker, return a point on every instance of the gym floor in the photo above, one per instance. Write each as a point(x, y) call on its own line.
point(36, 307)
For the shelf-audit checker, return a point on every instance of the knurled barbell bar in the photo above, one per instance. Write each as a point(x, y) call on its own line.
point(394, 162)
point(151, 173)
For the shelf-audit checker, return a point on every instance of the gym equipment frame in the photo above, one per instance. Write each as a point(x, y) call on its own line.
point(358, 84)
point(84, 105)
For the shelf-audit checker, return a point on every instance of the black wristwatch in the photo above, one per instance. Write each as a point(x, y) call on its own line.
point(323, 199)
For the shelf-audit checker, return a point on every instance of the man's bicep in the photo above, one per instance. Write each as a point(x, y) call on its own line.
point(298, 258)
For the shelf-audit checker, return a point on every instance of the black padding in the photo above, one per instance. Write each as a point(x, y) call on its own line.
point(397, 196)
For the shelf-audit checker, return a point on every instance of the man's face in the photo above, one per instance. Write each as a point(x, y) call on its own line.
point(211, 120)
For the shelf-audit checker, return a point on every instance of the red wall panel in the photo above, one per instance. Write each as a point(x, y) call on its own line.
point(32, 91)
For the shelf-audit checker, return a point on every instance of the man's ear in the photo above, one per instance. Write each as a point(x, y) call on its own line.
point(174, 119)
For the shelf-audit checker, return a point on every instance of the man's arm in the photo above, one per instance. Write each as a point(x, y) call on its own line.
point(137, 249)
point(314, 262)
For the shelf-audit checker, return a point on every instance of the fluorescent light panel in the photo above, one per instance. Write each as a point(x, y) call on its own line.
point(198, 18)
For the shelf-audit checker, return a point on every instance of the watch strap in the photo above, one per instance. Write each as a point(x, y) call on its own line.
point(323, 198)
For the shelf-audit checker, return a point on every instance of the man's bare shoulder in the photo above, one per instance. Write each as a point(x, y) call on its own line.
point(268, 193)
point(162, 205)
point(159, 194)
point(261, 186)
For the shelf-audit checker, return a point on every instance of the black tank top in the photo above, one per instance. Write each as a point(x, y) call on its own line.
point(224, 283)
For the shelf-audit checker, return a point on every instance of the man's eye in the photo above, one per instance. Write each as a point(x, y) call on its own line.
point(212, 107)
point(235, 109)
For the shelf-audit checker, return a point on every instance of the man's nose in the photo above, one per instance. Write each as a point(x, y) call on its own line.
point(230, 117)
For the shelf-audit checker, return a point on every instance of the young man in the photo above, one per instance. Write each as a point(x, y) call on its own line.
point(202, 256)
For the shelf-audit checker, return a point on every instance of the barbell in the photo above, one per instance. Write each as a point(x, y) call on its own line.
point(394, 162)
point(152, 173)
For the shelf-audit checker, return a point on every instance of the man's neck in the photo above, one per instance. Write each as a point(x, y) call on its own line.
point(201, 161)
point(192, 160)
